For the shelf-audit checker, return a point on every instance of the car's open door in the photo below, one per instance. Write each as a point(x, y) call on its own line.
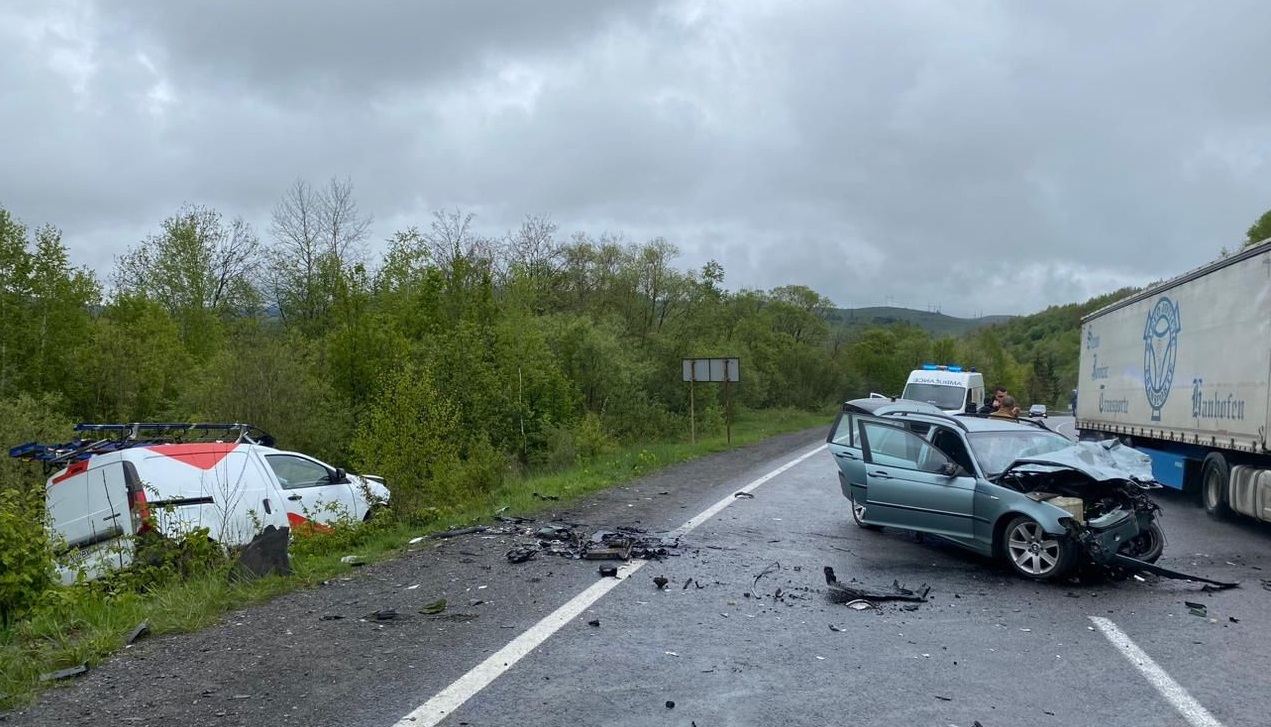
point(910, 483)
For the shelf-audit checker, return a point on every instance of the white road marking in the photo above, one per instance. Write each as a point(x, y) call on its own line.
point(446, 701)
point(1192, 711)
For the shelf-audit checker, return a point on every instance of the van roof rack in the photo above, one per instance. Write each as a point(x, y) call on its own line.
point(136, 434)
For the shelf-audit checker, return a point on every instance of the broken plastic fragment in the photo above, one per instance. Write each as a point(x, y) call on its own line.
point(64, 673)
point(435, 607)
point(860, 604)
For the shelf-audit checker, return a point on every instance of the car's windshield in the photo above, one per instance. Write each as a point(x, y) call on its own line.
point(995, 450)
point(945, 397)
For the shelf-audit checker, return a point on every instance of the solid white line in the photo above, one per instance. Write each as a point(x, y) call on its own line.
point(446, 701)
point(1192, 711)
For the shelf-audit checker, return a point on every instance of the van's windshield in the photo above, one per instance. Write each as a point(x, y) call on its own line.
point(947, 398)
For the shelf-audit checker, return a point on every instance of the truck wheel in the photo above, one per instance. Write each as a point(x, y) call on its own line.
point(1215, 475)
point(1034, 553)
point(858, 511)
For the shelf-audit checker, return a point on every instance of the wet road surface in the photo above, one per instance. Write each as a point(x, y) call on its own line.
point(723, 643)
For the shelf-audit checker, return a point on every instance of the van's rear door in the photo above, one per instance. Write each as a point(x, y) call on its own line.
point(88, 507)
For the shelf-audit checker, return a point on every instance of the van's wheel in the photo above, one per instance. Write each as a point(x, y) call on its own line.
point(1214, 476)
point(858, 511)
point(1034, 553)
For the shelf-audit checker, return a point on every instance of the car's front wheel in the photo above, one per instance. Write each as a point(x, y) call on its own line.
point(1147, 546)
point(858, 513)
point(1034, 553)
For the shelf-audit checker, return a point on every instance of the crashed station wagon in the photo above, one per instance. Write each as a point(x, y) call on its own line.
point(1004, 488)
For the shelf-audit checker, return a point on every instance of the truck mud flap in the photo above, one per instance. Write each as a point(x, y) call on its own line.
point(1131, 564)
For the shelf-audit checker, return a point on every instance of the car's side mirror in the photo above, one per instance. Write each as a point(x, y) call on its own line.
point(952, 469)
point(340, 476)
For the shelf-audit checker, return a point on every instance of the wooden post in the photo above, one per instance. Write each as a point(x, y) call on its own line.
point(728, 405)
point(692, 416)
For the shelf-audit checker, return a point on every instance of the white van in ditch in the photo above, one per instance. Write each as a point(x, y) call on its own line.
point(949, 387)
point(115, 488)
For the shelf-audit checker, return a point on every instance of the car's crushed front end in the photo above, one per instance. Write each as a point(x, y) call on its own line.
point(1103, 487)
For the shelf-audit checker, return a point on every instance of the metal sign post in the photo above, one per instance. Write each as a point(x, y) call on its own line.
point(720, 370)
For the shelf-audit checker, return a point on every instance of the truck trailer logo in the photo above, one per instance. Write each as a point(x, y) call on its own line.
point(1160, 353)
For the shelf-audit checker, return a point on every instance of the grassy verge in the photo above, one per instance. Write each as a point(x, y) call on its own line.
point(83, 625)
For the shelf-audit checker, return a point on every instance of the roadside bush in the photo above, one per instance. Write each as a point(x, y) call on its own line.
point(26, 559)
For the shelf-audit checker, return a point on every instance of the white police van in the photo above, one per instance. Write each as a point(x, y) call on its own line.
point(114, 488)
point(948, 387)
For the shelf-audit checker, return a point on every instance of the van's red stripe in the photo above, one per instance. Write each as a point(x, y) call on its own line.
point(203, 456)
point(303, 525)
point(74, 469)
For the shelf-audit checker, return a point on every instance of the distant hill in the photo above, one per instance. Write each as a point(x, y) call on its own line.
point(936, 324)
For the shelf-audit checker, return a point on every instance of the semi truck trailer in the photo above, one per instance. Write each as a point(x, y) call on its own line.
point(1182, 372)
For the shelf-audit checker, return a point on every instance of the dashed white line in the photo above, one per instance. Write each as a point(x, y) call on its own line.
point(446, 701)
point(1192, 711)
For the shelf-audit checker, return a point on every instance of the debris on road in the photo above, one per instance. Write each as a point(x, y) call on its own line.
point(1196, 609)
point(660, 582)
point(435, 607)
point(521, 553)
point(1128, 564)
point(55, 676)
point(354, 560)
point(384, 614)
point(836, 628)
point(746, 495)
point(459, 531)
point(540, 496)
point(754, 586)
point(142, 628)
point(845, 593)
point(594, 622)
point(861, 604)
point(608, 571)
point(265, 555)
point(670, 704)
point(565, 541)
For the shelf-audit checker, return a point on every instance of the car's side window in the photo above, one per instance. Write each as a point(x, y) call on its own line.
point(951, 444)
point(894, 447)
point(845, 431)
point(296, 472)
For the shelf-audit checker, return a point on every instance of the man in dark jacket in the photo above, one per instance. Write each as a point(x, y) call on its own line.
point(992, 402)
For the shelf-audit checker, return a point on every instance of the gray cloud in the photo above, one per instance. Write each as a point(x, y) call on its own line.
point(989, 156)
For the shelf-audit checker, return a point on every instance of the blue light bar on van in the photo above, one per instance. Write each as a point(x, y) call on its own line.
point(955, 368)
point(929, 367)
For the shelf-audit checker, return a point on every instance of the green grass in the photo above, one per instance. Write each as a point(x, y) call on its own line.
point(84, 625)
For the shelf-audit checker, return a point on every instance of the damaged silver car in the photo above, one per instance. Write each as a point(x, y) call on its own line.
point(1001, 487)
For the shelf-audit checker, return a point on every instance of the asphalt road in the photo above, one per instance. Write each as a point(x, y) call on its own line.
point(719, 642)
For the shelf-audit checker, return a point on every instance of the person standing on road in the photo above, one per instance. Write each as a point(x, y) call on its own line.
point(1006, 408)
point(991, 403)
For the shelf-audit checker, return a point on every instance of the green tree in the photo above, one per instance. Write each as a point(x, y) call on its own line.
point(200, 268)
point(318, 236)
point(1259, 231)
point(44, 304)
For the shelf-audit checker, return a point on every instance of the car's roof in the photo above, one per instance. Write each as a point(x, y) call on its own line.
point(880, 406)
point(976, 423)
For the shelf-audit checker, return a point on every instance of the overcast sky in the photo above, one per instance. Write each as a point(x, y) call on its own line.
point(988, 156)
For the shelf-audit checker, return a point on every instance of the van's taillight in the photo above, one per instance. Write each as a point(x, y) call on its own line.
point(138, 510)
